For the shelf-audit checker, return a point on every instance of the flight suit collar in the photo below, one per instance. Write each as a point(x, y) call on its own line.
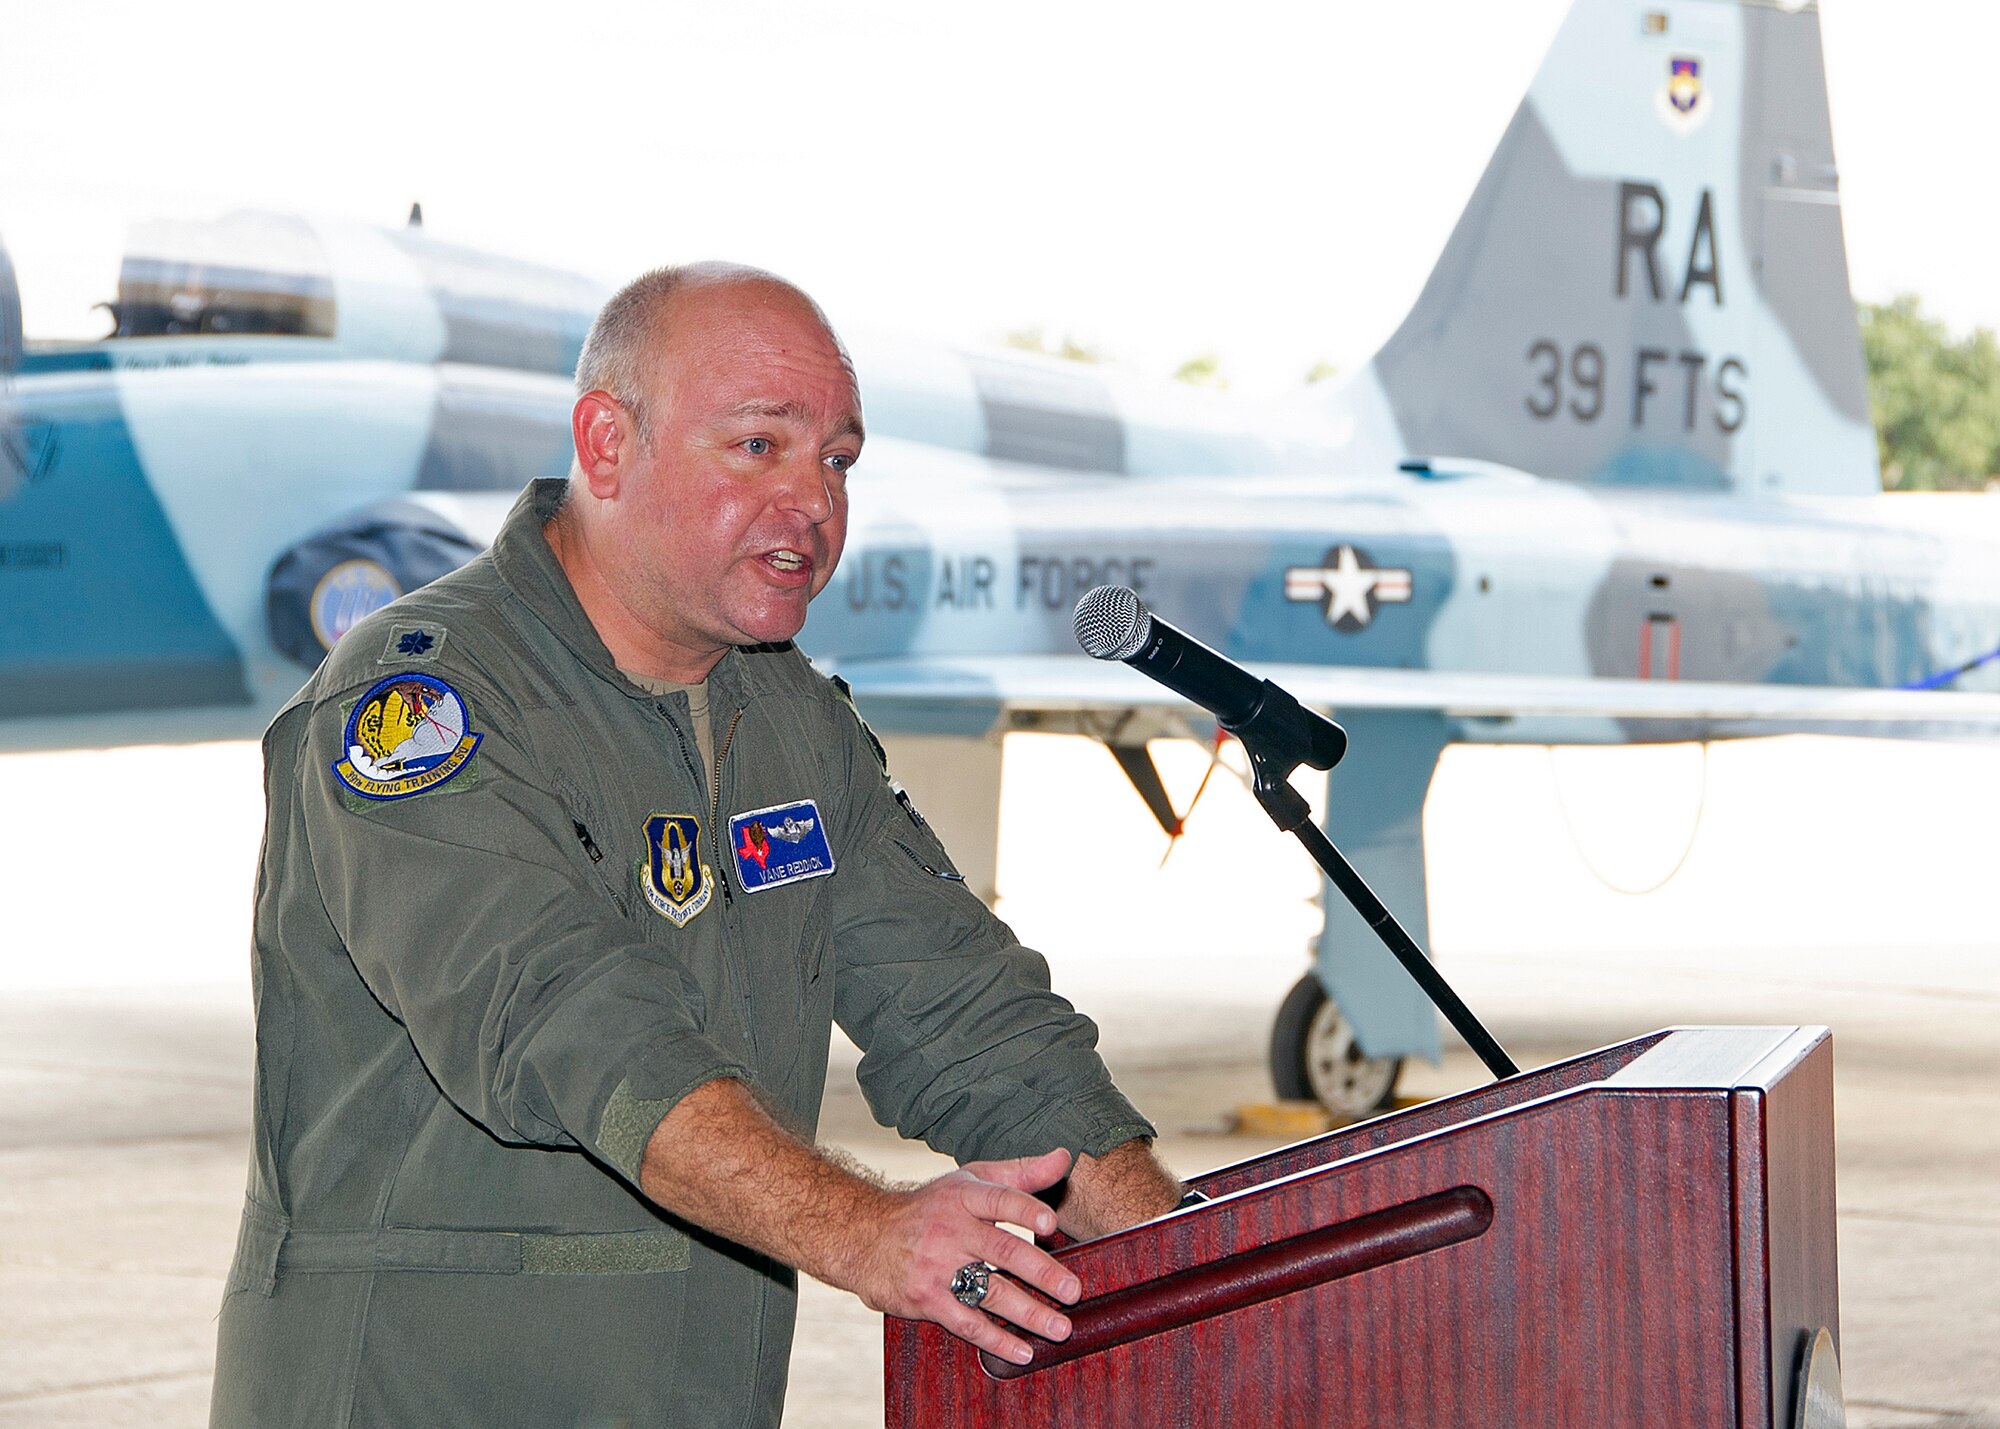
point(527, 563)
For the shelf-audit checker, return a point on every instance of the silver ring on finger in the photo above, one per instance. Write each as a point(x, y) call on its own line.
point(970, 1282)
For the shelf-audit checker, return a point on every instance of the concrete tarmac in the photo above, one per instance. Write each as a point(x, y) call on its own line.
point(124, 1105)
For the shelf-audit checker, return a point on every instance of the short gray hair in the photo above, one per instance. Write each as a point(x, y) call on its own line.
point(629, 327)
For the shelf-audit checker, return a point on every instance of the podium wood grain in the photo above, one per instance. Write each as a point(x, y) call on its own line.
point(1638, 1237)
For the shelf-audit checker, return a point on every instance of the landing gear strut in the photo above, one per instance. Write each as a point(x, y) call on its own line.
point(1315, 1057)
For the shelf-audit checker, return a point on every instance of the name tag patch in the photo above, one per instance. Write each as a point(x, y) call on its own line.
point(785, 843)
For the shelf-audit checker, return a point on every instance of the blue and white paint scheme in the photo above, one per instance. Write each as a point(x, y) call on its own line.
point(1612, 480)
point(273, 388)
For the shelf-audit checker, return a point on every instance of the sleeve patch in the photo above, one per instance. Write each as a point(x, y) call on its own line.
point(409, 733)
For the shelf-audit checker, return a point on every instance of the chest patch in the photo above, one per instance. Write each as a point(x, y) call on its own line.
point(677, 883)
point(408, 733)
point(785, 843)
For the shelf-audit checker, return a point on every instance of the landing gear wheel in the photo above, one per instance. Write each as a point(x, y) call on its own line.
point(1314, 1056)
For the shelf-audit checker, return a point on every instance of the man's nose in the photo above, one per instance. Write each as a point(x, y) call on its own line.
point(806, 489)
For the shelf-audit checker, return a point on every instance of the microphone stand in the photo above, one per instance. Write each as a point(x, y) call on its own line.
point(1273, 757)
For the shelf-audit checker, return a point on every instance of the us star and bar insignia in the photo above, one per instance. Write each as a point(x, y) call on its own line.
point(1351, 585)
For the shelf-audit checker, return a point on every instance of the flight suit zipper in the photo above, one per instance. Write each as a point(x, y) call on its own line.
point(693, 766)
point(596, 856)
point(721, 753)
point(715, 804)
point(946, 874)
point(714, 786)
point(741, 956)
point(579, 809)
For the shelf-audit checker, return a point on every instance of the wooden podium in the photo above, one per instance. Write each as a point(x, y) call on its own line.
point(1643, 1236)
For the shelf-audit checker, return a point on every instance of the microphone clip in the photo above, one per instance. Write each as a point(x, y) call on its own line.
point(1271, 784)
point(1279, 734)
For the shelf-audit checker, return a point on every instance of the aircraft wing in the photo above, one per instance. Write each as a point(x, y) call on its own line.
point(959, 693)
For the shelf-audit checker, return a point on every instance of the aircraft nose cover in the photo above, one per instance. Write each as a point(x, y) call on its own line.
point(329, 581)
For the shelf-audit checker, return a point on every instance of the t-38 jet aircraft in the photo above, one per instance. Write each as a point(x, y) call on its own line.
point(1612, 480)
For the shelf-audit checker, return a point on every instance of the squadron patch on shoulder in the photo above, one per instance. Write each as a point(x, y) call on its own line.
point(785, 843)
point(677, 883)
point(408, 733)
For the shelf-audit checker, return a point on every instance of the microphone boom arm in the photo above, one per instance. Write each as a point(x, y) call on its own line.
point(1271, 773)
point(1280, 734)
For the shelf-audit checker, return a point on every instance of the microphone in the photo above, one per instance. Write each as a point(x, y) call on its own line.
point(1112, 623)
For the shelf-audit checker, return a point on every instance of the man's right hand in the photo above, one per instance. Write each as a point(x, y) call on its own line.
point(925, 1235)
point(719, 1160)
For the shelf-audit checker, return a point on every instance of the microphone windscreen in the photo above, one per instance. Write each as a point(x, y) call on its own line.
point(1112, 623)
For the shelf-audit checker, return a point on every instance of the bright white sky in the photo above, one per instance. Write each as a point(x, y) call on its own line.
point(1271, 183)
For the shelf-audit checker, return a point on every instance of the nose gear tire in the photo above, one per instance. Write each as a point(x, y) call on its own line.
point(1315, 1057)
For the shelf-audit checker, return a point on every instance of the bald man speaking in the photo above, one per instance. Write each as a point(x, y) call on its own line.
point(571, 860)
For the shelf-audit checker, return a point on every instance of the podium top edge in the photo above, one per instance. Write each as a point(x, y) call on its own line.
point(1731, 1057)
point(1673, 1059)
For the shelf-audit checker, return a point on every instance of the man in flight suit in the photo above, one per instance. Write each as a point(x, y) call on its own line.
point(571, 859)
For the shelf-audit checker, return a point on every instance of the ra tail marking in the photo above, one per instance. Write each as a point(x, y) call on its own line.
point(1649, 285)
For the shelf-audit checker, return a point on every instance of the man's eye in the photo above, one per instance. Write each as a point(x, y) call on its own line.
point(840, 461)
point(757, 446)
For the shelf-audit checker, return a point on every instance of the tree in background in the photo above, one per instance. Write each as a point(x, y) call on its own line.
point(1034, 339)
point(1203, 370)
point(1936, 399)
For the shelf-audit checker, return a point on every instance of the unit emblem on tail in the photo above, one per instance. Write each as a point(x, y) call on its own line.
point(1683, 101)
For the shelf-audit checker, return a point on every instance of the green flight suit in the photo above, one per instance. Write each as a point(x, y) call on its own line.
point(476, 1001)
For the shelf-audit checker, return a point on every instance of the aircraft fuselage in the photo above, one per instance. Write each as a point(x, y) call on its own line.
point(1466, 569)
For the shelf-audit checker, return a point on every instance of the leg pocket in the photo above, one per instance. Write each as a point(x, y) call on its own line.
point(546, 1351)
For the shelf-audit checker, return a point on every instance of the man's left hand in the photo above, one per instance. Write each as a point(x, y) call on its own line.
point(1124, 1186)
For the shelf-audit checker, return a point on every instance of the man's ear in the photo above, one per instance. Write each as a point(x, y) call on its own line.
point(602, 431)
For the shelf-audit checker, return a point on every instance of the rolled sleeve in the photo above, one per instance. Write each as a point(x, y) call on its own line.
point(964, 1043)
point(475, 919)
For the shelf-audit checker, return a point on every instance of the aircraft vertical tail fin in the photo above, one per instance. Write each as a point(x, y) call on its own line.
point(1649, 285)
